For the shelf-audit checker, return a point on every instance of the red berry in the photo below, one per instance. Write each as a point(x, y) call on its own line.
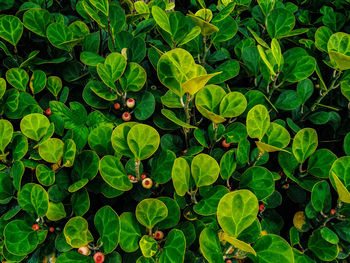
point(130, 103)
point(116, 106)
point(143, 176)
point(261, 207)
point(51, 229)
point(184, 151)
point(228, 261)
point(84, 251)
point(126, 116)
point(147, 183)
point(99, 257)
point(285, 186)
point(333, 211)
point(131, 178)
point(280, 173)
point(225, 144)
point(48, 112)
point(159, 235)
point(35, 227)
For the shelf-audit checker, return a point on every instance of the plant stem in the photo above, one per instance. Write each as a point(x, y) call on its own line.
point(137, 170)
point(187, 110)
point(111, 36)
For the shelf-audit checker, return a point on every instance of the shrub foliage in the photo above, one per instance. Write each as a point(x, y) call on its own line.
point(218, 132)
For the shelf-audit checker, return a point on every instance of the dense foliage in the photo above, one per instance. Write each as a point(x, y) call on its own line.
point(218, 132)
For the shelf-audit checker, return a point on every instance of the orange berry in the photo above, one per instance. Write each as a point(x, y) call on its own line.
point(147, 183)
point(225, 144)
point(84, 251)
point(51, 229)
point(159, 235)
point(99, 257)
point(116, 106)
point(333, 211)
point(130, 103)
point(35, 227)
point(126, 116)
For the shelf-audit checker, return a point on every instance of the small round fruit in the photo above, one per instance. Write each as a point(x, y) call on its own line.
point(143, 176)
point(228, 261)
point(333, 211)
point(130, 103)
point(116, 106)
point(48, 112)
point(126, 116)
point(317, 85)
point(51, 229)
point(285, 186)
point(99, 257)
point(261, 207)
point(225, 144)
point(147, 183)
point(84, 251)
point(159, 235)
point(131, 177)
point(35, 227)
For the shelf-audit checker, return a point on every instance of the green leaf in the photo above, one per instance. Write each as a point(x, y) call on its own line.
point(134, 77)
point(339, 177)
point(37, 21)
point(38, 81)
point(86, 165)
point(305, 90)
point(108, 226)
point(297, 69)
point(161, 166)
point(237, 211)
point(205, 170)
point(100, 139)
point(151, 211)
point(320, 163)
point(228, 28)
point(195, 84)
point(112, 69)
point(130, 232)
point(19, 238)
point(227, 165)
point(6, 187)
point(161, 18)
point(277, 135)
point(6, 133)
point(101, 5)
point(54, 85)
point(51, 150)
point(91, 58)
point(321, 248)
point(207, 28)
point(34, 126)
point(258, 121)
point(60, 36)
point(329, 235)
point(259, 180)
point(208, 205)
point(174, 248)
point(345, 89)
point(172, 116)
point(145, 106)
point(229, 69)
point(304, 144)
point(279, 22)
point(209, 245)
point(233, 105)
point(339, 50)
point(242, 246)
point(148, 246)
point(288, 100)
point(143, 141)
point(17, 173)
point(113, 172)
point(321, 198)
point(322, 36)
point(39, 199)
point(11, 29)
point(181, 176)
point(18, 78)
point(72, 256)
point(2, 87)
point(76, 232)
point(24, 197)
point(119, 138)
point(173, 218)
point(175, 67)
point(55, 211)
point(273, 249)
